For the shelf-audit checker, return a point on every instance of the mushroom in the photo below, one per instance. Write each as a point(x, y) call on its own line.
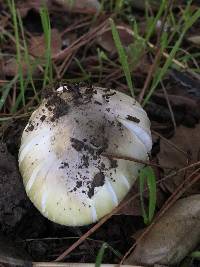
point(62, 158)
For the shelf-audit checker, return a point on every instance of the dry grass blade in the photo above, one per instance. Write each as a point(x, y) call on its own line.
point(79, 24)
point(59, 264)
point(169, 105)
point(150, 74)
point(89, 36)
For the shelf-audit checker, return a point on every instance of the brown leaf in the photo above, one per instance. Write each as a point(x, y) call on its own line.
point(75, 6)
point(24, 6)
point(37, 46)
point(195, 39)
point(175, 235)
point(11, 67)
point(106, 40)
point(140, 62)
point(179, 100)
point(188, 140)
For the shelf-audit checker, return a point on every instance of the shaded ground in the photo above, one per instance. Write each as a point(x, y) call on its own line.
point(83, 51)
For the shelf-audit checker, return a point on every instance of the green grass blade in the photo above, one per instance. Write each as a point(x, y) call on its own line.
point(122, 56)
point(6, 89)
point(151, 182)
point(195, 254)
point(147, 174)
point(27, 59)
point(115, 252)
point(153, 21)
point(189, 21)
point(48, 73)
point(141, 189)
point(119, 5)
point(84, 72)
point(11, 4)
point(100, 255)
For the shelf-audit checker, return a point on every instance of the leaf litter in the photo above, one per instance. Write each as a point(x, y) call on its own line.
point(188, 140)
point(172, 237)
point(37, 46)
point(72, 37)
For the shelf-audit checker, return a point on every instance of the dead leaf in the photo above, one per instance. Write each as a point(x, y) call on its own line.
point(179, 100)
point(194, 39)
point(24, 6)
point(77, 6)
point(106, 40)
point(188, 140)
point(37, 46)
point(140, 63)
point(175, 235)
point(11, 67)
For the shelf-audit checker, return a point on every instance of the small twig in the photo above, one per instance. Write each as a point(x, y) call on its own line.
point(135, 160)
point(169, 105)
point(170, 143)
point(79, 24)
point(150, 74)
point(67, 264)
point(81, 41)
point(115, 73)
point(182, 188)
point(3, 81)
point(66, 64)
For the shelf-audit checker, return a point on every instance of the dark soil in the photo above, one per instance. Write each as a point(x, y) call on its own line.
point(57, 105)
point(13, 201)
point(99, 180)
point(134, 119)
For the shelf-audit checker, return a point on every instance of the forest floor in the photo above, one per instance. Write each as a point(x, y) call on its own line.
point(147, 50)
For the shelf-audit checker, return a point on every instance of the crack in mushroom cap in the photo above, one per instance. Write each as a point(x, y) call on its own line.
point(64, 172)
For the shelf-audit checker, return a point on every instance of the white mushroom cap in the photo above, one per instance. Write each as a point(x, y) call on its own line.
point(64, 172)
